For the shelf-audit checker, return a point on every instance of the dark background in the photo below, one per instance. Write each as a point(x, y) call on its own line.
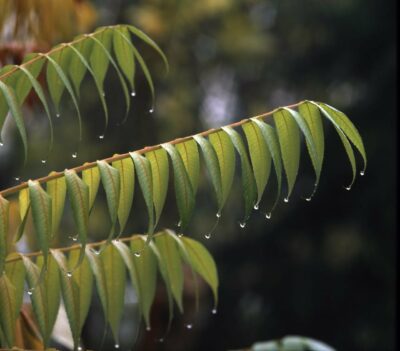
point(325, 268)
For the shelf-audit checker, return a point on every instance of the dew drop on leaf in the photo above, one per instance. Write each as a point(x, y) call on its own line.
point(362, 173)
point(308, 199)
point(207, 236)
point(286, 199)
point(256, 207)
point(74, 155)
point(242, 224)
point(69, 274)
point(348, 188)
point(218, 215)
point(137, 254)
point(30, 292)
point(268, 215)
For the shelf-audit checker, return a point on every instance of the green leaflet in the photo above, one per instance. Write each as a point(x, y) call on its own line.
point(127, 186)
point(78, 194)
point(183, 188)
point(98, 84)
point(260, 157)
point(15, 271)
point(9, 96)
point(98, 59)
point(123, 53)
point(111, 182)
point(171, 261)
point(160, 174)
point(143, 171)
point(248, 182)
point(98, 69)
point(91, 177)
point(56, 89)
point(110, 274)
point(144, 276)
point(291, 343)
point(51, 286)
point(312, 149)
point(191, 159)
point(272, 142)
point(56, 188)
point(124, 34)
point(76, 291)
point(38, 295)
point(348, 129)
point(24, 206)
point(39, 92)
point(289, 141)
point(226, 159)
point(203, 263)
point(4, 219)
point(211, 160)
point(41, 213)
point(311, 114)
point(8, 310)
point(150, 42)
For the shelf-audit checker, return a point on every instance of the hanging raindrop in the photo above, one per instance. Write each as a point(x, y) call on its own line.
point(242, 224)
point(101, 137)
point(79, 348)
point(362, 173)
point(116, 346)
point(148, 328)
point(104, 94)
point(179, 224)
point(256, 207)
point(268, 215)
point(308, 199)
point(151, 110)
point(180, 235)
point(137, 254)
point(133, 93)
point(58, 115)
point(43, 161)
point(218, 215)
point(348, 188)
point(160, 340)
point(17, 179)
point(1, 144)
point(286, 199)
point(74, 155)
point(189, 326)
point(69, 274)
point(30, 292)
point(74, 237)
point(214, 311)
point(207, 236)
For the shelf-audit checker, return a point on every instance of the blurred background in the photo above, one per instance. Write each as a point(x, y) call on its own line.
point(323, 269)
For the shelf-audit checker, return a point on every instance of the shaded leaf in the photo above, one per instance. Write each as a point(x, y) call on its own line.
point(15, 271)
point(289, 141)
point(7, 310)
point(191, 159)
point(24, 207)
point(127, 186)
point(183, 188)
point(160, 175)
point(226, 160)
point(248, 182)
point(4, 219)
point(56, 188)
point(143, 171)
point(260, 157)
point(91, 177)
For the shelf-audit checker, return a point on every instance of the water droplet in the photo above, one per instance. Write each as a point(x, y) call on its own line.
point(74, 155)
point(256, 207)
point(242, 224)
point(179, 224)
point(58, 115)
point(133, 93)
point(160, 340)
point(308, 199)
point(348, 188)
point(30, 292)
point(207, 236)
point(214, 311)
point(151, 110)
point(80, 348)
point(189, 326)
point(17, 179)
point(116, 346)
point(101, 137)
point(362, 173)
point(1, 144)
point(69, 274)
point(218, 215)
point(137, 254)
point(148, 328)
point(180, 235)
point(43, 161)
point(286, 199)
point(104, 94)
point(97, 253)
point(268, 215)
point(74, 237)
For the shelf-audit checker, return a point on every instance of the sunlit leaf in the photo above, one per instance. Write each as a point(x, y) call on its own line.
point(91, 177)
point(56, 188)
point(124, 54)
point(191, 160)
